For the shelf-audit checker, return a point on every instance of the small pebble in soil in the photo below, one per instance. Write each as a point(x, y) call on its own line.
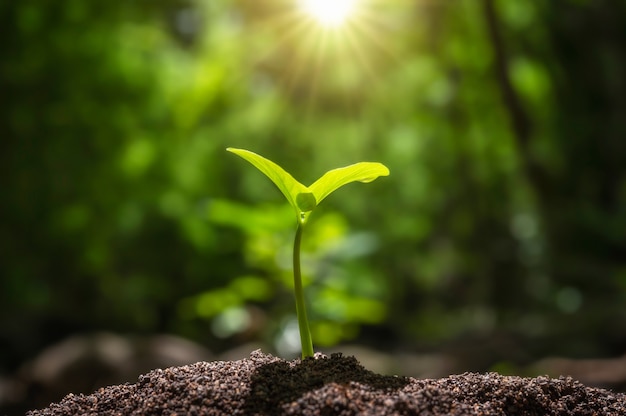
point(333, 385)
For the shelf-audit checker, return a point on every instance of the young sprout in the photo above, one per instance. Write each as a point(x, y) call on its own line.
point(304, 199)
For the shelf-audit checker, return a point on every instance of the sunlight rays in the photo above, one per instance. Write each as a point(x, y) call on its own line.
point(329, 13)
point(323, 50)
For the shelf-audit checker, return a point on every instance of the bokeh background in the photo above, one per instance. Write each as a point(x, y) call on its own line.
point(499, 239)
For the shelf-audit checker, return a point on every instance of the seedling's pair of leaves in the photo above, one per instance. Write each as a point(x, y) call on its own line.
point(305, 198)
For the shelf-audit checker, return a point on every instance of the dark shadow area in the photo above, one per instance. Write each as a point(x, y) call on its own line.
point(277, 383)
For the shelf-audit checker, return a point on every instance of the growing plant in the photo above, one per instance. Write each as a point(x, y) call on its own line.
point(304, 199)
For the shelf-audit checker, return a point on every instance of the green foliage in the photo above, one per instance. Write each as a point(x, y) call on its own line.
point(505, 216)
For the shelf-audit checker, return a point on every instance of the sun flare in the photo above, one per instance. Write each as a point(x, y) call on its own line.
point(328, 13)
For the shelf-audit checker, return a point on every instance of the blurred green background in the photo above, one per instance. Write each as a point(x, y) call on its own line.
point(502, 227)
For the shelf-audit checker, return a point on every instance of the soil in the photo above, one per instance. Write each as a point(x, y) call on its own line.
point(333, 385)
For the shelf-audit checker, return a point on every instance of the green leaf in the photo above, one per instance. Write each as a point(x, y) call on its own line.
point(304, 199)
point(336, 178)
point(290, 187)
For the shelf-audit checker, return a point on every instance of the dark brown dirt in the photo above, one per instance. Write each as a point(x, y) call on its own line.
point(335, 385)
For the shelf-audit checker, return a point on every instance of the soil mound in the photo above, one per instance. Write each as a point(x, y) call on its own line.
point(333, 385)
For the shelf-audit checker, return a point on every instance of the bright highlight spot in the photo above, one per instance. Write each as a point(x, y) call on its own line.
point(329, 13)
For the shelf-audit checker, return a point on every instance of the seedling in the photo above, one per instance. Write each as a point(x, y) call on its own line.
point(304, 199)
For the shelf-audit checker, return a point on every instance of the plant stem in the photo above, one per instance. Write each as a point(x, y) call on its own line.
point(303, 323)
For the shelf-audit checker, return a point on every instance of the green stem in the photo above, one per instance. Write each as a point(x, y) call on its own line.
point(303, 323)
